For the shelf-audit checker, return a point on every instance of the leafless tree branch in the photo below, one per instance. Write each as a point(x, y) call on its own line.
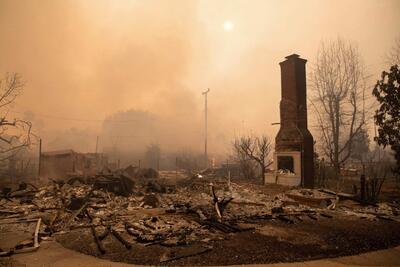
point(15, 134)
point(393, 57)
point(251, 148)
point(338, 88)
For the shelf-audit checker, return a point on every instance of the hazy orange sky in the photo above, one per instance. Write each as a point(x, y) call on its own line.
point(85, 60)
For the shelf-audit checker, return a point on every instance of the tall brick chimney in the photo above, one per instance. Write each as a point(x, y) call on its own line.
point(293, 137)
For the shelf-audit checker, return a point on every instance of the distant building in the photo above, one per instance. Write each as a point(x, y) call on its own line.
point(64, 163)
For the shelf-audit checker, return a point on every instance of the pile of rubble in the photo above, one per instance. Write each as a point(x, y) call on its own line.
point(153, 211)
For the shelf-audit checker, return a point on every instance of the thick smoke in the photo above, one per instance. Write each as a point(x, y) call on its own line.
point(87, 61)
point(90, 60)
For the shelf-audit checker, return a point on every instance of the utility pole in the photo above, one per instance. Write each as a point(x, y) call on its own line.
point(96, 155)
point(205, 126)
point(97, 143)
point(40, 157)
point(176, 168)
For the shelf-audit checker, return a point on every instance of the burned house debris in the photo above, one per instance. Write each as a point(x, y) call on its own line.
point(64, 163)
point(294, 145)
point(187, 219)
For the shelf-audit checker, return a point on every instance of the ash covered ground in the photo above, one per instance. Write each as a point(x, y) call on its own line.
point(184, 219)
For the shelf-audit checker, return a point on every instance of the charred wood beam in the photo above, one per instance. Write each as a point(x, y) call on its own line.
point(36, 244)
point(312, 216)
point(104, 234)
point(121, 239)
point(219, 205)
point(223, 227)
point(285, 218)
point(78, 211)
point(97, 240)
point(326, 215)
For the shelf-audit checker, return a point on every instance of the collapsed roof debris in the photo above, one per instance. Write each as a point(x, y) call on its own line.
point(150, 212)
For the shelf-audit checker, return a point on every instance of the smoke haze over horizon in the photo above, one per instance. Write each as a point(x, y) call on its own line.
point(88, 61)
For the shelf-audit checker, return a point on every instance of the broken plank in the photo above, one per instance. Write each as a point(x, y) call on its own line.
point(311, 216)
point(248, 203)
point(121, 239)
point(383, 217)
point(139, 228)
point(19, 221)
point(326, 215)
point(285, 219)
point(36, 244)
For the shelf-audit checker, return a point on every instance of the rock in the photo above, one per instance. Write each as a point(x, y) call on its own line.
point(75, 203)
point(151, 200)
point(154, 186)
point(277, 210)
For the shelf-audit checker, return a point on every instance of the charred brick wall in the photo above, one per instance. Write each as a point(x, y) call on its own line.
point(293, 134)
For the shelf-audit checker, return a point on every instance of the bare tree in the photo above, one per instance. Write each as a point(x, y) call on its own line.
point(337, 83)
point(251, 148)
point(393, 57)
point(14, 133)
point(376, 170)
point(247, 166)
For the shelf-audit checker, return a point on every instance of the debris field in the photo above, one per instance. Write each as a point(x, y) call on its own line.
point(187, 220)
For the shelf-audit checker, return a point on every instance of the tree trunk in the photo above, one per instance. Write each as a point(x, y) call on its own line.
point(262, 172)
point(336, 170)
point(362, 187)
point(336, 139)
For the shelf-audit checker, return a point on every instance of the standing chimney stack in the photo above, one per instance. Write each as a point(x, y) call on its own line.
point(294, 144)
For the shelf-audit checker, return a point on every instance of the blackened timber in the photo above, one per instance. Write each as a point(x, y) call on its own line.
point(121, 239)
point(97, 240)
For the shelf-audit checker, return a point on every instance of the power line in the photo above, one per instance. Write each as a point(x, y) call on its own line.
point(72, 119)
point(89, 120)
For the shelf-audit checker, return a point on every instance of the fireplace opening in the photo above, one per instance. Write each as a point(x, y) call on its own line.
point(286, 163)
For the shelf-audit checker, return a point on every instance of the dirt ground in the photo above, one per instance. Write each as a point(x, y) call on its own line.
point(298, 232)
point(390, 190)
point(266, 241)
point(270, 242)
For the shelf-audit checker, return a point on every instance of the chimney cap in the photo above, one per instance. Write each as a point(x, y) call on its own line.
point(292, 56)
